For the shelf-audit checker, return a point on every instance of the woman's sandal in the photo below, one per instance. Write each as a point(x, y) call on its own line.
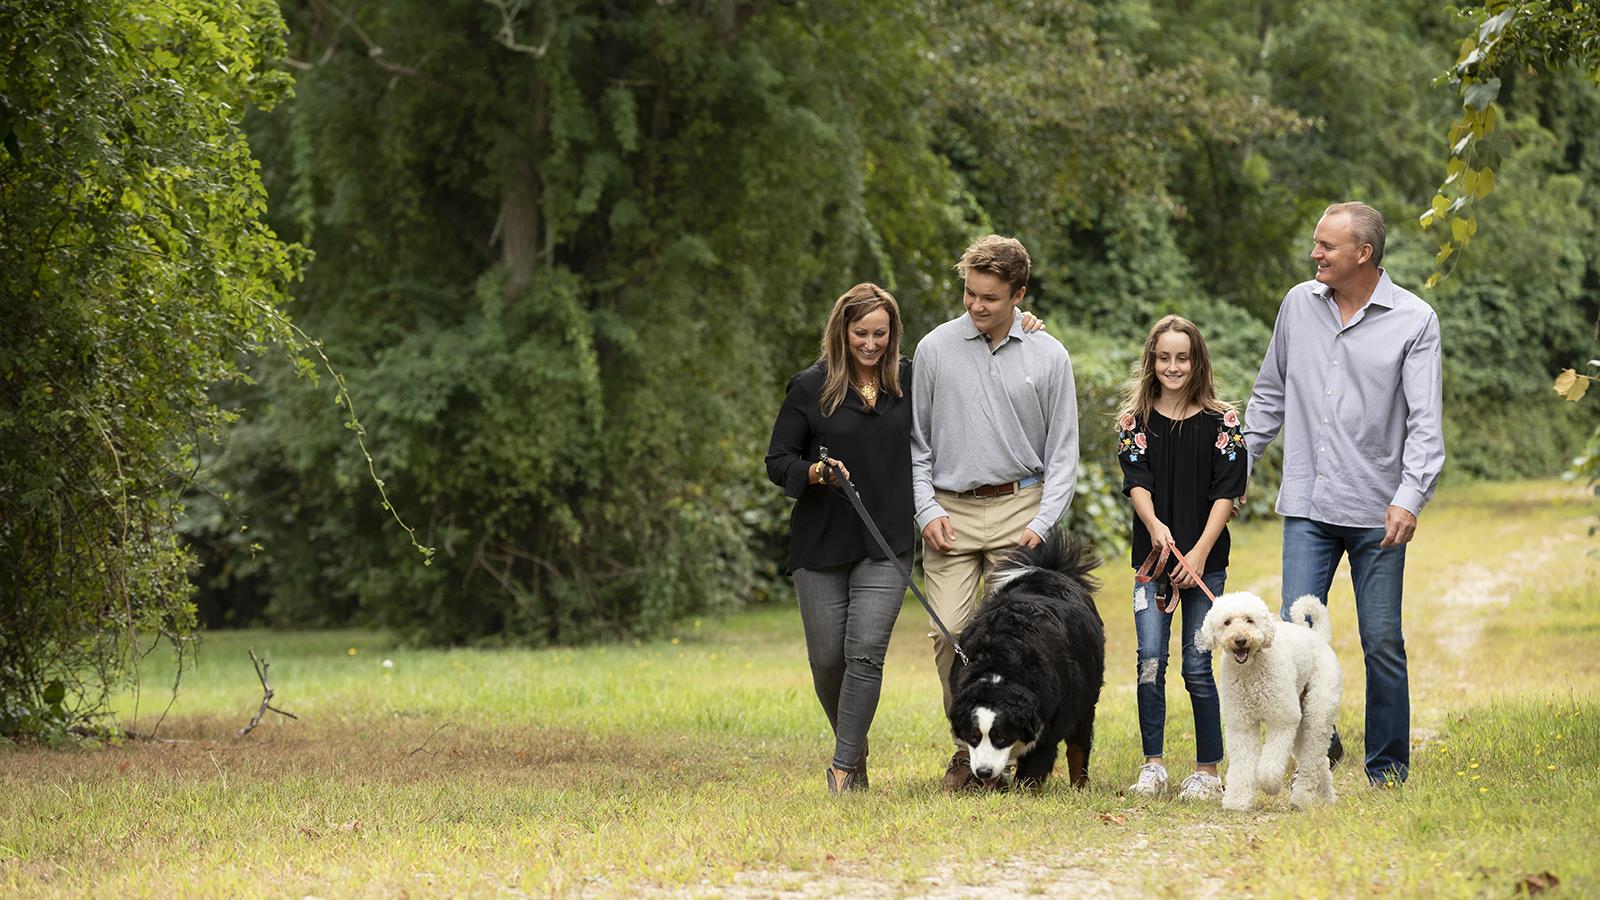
point(852, 781)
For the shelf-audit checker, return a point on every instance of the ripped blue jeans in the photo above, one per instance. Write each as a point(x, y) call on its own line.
point(1154, 628)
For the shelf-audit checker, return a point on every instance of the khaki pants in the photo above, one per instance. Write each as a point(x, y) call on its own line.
point(986, 530)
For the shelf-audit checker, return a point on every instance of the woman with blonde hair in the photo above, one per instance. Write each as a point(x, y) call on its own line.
point(855, 401)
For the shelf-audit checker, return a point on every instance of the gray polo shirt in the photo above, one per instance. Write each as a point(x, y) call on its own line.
point(982, 418)
point(1360, 405)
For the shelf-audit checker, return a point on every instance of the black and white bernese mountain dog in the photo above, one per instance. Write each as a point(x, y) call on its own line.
point(1036, 653)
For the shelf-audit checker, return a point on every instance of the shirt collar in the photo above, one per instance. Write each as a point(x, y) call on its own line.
point(1382, 293)
point(970, 331)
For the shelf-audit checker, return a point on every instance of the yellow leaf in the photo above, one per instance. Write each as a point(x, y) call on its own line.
point(1485, 182)
point(1570, 385)
point(1469, 181)
point(1459, 231)
point(1444, 253)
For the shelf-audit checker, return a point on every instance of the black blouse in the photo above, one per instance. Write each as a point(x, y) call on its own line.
point(874, 444)
point(1186, 466)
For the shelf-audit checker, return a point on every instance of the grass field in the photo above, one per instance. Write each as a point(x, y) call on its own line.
point(694, 765)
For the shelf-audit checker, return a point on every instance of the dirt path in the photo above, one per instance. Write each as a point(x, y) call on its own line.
point(1473, 596)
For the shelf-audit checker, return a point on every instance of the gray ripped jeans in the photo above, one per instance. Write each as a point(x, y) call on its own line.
point(849, 612)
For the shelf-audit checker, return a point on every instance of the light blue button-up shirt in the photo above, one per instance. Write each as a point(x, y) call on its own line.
point(1360, 405)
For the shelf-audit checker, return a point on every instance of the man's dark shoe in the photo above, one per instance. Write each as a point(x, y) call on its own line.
point(1335, 750)
point(958, 775)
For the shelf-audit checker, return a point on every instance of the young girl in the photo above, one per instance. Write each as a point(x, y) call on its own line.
point(1183, 463)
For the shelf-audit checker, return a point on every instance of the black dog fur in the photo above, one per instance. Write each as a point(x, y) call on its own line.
point(1041, 633)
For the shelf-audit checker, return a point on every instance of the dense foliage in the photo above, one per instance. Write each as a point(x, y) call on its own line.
point(571, 252)
point(568, 253)
point(136, 271)
point(571, 255)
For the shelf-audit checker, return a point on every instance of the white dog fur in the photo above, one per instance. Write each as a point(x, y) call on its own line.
point(1280, 675)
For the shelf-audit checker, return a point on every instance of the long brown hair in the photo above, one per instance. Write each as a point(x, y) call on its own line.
point(859, 301)
point(1142, 388)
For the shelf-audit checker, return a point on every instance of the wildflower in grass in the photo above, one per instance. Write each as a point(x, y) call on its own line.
point(1461, 771)
point(1472, 765)
point(350, 652)
point(1483, 790)
point(388, 664)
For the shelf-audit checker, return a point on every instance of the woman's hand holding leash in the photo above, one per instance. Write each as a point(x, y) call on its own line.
point(815, 474)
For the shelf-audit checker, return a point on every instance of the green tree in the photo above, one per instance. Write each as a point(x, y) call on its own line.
point(138, 271)
point(1536, 36)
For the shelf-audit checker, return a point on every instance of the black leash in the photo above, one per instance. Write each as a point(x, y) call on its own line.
point(854, 496)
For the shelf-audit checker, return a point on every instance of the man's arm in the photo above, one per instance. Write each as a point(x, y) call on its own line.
point(922, 387)
point(1263, 417)
point(1060, 449)
point(1422, 458)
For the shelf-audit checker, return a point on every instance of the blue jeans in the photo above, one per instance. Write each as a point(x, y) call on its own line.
point(1311, 552)
point(1155, 630)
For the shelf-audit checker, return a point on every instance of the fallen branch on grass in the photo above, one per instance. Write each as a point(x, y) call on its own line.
point(266, 696)
point(417, 749)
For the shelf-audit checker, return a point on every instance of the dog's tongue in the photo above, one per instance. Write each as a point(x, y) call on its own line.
point(1239, 656)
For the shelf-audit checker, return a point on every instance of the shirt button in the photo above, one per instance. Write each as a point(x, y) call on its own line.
point(1330, 394)
point(1336, 362)
point(1324, 420)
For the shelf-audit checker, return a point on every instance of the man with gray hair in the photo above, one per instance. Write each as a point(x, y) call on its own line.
point(1352, 378)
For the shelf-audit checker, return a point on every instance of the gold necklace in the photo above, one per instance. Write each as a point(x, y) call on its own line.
point(869, 391)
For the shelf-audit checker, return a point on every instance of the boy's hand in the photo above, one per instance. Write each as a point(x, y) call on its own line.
point(940, 535)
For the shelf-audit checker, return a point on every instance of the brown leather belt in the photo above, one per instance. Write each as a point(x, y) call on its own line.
point(985, 491)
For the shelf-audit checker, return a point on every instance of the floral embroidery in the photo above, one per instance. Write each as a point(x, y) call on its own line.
point(1230, 441)
point(1131, 440)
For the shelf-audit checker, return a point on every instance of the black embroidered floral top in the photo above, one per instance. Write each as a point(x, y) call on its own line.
point(1186, 466)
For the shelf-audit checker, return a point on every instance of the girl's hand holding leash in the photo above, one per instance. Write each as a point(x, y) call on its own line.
point(1180, 576)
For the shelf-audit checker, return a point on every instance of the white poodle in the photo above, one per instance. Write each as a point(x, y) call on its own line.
point(1283, 675)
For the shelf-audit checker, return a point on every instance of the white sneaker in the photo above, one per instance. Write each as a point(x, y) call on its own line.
point(1200, 786)
point(1152, 780)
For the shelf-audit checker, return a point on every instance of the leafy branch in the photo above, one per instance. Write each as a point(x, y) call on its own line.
point(1541, 35)
point(341, 397)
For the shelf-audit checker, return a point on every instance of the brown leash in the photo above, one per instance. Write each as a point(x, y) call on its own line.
point(1155, 565)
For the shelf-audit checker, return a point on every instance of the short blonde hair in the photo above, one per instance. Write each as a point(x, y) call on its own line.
point(1003, 257)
